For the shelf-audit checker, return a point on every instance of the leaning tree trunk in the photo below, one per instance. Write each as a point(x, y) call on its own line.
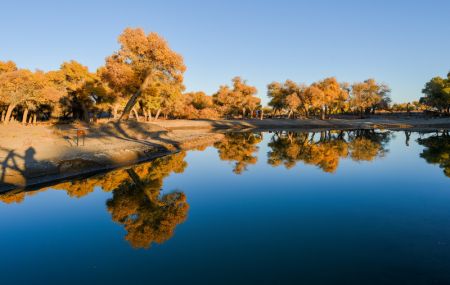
point(130, 104)
point(3, 115)
point(9, 112)
point(135, 113)
point(25, 115)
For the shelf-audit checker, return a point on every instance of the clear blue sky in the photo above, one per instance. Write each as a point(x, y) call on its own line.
point(401, 43)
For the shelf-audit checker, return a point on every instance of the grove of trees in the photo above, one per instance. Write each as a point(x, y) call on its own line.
point(143, 79)
point(327, 97)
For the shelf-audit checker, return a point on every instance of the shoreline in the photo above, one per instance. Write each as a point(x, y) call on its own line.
point(35, 156)
point(403, 123)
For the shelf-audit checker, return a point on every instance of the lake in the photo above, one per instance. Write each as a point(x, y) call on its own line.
point(330, 207)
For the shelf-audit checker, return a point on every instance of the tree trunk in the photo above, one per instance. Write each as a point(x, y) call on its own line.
point(34, 118)
point(145, 114)
point(130, 104)
point(322, 113)
point(305, 109)
point(25, 115)
point(243, 113)
point(9, 112)
point(157, 114)
point(3, 115)
point(149, 114)
point(30, 121)
point(115, 111)
point(262, 114)
point(135, 113)
point(85, 112)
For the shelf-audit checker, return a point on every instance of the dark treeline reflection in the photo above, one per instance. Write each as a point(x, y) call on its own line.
point(324, 149)
point(437, 150)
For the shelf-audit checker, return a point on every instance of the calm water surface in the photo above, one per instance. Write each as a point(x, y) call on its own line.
point(358, 207)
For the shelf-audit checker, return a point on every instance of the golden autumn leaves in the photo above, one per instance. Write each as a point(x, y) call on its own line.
point(144, 77)
point(327, 97)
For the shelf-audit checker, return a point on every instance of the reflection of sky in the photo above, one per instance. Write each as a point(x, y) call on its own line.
point(368, 220)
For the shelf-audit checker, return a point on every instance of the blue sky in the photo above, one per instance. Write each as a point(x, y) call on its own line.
point(401, 43)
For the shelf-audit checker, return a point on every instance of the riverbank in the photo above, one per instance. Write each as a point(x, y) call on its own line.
point(413, 123)
point(35, 155)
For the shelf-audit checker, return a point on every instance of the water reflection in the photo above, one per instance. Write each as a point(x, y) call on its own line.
point(324, 149)
point(136, 201)
point(148, 216)
point(239, 148)
point(138, 205)
point(437, 150)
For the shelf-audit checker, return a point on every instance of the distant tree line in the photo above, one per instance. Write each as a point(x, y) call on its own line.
point(327, 97)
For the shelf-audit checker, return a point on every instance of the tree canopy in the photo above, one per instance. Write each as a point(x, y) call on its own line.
point(437, 94)
point(144, 64)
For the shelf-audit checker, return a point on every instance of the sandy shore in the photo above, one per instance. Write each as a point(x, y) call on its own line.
point(35, 155)
point(394, 123)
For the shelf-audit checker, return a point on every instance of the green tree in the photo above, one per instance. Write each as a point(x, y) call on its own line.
point(437, 94)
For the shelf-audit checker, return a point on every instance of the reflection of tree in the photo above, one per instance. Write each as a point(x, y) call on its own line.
point(239, 147)
point(12, 197)
point(367, 144)
point(437, 150)
point(17, 196)
point(137, 204)
point(326, 148)
point(108, 181)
